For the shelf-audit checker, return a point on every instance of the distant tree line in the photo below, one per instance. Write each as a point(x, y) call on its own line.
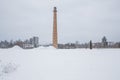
point(27, 44)
point(34, 43)
point(103, 44)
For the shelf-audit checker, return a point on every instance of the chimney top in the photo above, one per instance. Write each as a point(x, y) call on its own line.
point(55, 9)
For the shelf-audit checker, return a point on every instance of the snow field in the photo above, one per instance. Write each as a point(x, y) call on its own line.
point(61, 64)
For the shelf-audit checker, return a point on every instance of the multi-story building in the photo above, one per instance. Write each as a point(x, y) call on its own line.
point(36, 41)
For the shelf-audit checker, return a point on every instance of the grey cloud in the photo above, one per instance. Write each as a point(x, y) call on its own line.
point(77, 20)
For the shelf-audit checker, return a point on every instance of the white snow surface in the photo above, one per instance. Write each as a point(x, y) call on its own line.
point(59, 64)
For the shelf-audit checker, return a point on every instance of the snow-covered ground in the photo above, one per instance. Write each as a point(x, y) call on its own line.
point(59, 64)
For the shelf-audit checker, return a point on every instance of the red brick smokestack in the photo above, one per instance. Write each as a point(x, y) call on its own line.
point(55, 40)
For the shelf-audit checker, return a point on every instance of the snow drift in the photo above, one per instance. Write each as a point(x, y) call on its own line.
point(56, 64)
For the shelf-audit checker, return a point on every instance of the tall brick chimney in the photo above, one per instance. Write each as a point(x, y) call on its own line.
point(55, 40)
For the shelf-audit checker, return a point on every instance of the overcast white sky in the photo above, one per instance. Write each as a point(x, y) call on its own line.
point(78, 20)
